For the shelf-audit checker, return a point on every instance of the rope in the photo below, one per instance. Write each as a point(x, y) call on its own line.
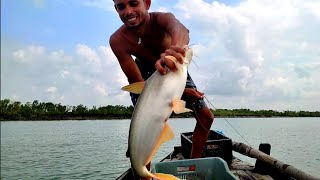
point(228, 122)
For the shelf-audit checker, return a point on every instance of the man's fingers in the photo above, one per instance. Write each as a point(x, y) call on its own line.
point(194, 94)
point(175, 54)
point(169, 63)
point(200, 94)
point(160, 68)
point(178, 49)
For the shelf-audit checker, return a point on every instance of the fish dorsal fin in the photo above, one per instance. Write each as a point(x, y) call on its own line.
point(166, 135)
point(179, 106)
point(136, 87)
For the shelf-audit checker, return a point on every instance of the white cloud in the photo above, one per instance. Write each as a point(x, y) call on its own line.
point(31, 53)
point(65, 73)
point(107, 55)
point(162, 9)
point(245, 50)
point(51, 89)
point(59, 57)
point(87, 76)
point(277, 82)
point(88, 53)
point(257, 54)
point(313, 7)
point(101, 90)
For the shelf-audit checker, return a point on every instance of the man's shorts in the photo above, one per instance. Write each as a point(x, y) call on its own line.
point(199, 104)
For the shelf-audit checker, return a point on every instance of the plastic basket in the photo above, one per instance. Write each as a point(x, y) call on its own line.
point(195, 169)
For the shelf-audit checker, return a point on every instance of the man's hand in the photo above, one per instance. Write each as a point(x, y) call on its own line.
point(192, 95)
point(178, 52)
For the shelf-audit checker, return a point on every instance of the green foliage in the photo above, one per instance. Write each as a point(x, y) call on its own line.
point(263, 113)
point(49, 111)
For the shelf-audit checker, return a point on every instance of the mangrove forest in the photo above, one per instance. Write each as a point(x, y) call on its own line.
point(13, 110)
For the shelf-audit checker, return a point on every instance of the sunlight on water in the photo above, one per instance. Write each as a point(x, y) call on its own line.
point(96, 149)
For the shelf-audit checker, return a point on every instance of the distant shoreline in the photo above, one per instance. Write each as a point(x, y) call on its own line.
point(40, 111)
point(120, 119)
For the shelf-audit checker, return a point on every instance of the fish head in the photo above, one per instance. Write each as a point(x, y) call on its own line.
point(186, 59)
point(189, 53)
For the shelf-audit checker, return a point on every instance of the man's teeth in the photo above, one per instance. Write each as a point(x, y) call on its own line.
point(132, 19)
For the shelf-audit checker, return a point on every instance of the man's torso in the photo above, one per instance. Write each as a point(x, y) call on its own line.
point(149, 46)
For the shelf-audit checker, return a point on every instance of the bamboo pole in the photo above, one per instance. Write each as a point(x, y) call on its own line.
point(285, 169)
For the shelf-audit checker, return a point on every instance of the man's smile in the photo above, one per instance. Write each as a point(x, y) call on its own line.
point(131, 19)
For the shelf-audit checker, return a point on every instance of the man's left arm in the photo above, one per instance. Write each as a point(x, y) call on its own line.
point(179, 33)
point(179, 38)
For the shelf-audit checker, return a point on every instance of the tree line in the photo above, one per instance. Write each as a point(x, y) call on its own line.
point(14, 110)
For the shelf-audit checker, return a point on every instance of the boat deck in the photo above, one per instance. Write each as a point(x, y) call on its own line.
point(241, 169)
point(265, 168)
point(245, 170)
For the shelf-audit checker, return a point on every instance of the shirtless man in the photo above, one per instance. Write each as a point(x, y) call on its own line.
point(150, 37)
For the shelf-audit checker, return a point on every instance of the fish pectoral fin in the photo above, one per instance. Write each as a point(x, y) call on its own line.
point(166, 135)
point(136, 87)
point(179, 106)
point(162, 176)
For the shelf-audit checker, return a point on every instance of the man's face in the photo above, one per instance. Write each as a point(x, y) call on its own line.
point(132, 12)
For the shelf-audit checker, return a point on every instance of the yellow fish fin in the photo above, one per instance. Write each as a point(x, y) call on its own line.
point(136, 87)
point(166, 135)
point(179, 106)
point(162, 176)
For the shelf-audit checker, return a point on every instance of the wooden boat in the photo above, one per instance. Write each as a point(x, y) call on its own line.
point(218, 145)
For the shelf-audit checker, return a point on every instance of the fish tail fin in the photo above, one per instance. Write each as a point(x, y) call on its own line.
point(162, 176)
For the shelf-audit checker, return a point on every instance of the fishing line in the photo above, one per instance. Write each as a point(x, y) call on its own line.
point(194, 62)
point(228, 122)
point(198, 119)
point(215, 109)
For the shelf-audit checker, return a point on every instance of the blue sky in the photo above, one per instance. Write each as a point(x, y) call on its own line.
point(249, 54)
point(58, 24)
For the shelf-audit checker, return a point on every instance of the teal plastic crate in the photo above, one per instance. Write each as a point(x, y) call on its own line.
point(195, 169)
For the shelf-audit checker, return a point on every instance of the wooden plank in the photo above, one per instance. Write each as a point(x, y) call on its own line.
point(242, 175)
point(283, 168)
point(237, 164)
point(261, 177)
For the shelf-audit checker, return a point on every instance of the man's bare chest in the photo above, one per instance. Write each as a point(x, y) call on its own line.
point(151, 46)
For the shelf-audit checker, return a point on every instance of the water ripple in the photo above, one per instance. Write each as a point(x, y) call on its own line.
point(96, 149)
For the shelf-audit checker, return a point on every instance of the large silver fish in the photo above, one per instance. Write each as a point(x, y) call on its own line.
point(161, 94)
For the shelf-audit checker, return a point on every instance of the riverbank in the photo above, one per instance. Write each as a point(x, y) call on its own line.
point(12, 111)
point(126, 118)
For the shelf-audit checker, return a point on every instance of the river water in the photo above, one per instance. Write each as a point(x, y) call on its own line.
point(95, 149)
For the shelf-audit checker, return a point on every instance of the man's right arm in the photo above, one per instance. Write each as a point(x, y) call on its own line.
point(127, 64)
